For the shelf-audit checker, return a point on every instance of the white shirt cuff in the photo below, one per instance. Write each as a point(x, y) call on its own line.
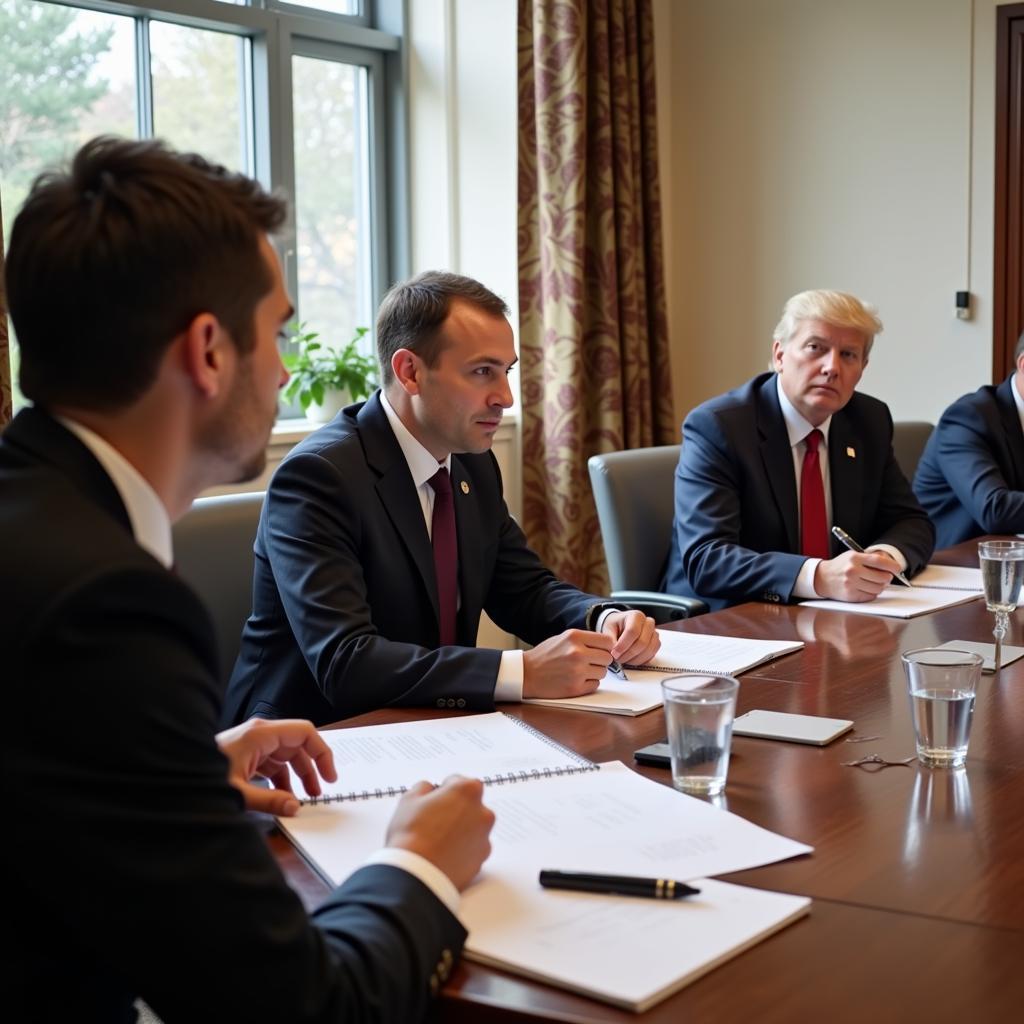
point(804, 586)
point(419, 867)
point(599, 625)
point(509, 686)
point(892, 552)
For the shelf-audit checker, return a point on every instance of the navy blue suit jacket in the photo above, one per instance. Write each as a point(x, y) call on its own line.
point(131, 866)
point(345, 614)
point(736, 535)
point(971, 476)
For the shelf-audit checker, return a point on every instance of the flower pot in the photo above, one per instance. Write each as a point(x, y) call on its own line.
point(333, 403)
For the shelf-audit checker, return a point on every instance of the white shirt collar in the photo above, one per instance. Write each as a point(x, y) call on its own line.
point(422, 465)
point(151, 526)
point(1018, 398)
point(796, 426)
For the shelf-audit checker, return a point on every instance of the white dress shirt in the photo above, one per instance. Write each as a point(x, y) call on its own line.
point(797, 428)
point(1018, 398)
point(151, 527)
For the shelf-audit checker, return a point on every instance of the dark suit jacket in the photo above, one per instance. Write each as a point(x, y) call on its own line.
point(344, 596)
point(131, 867)
point(736, 534)
point(971, 476)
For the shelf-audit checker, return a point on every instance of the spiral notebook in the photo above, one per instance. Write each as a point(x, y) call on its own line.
point(378, 761)
point(638, 690)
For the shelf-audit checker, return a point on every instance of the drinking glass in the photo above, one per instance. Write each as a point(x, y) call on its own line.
point(1002, 572)
point(699, 711)
point(941, 684)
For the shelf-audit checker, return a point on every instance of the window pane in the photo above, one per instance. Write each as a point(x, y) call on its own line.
point(68, 75)
point(331, 197)
point(201, 92)
point(334, 6)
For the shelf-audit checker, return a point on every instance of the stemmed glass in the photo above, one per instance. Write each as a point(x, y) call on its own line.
point(1002, 572)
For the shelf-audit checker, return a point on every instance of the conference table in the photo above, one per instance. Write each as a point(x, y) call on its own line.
point(917, 874)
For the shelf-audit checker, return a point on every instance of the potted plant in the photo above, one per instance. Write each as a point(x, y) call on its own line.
point(326, 379)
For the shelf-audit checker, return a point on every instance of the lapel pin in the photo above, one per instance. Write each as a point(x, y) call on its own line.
point(465, 487)
point(850, 453)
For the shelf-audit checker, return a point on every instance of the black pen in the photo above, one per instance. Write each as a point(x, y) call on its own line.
point(847, 541)
point(617, 885)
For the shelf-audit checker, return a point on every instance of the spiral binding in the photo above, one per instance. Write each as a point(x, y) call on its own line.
point(580, 765)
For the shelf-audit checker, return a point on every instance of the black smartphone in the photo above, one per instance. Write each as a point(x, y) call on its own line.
point(656, 754)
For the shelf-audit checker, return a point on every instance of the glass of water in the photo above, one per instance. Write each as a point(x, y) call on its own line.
point(1002, 572)
point(942, 684)
point(699, 711)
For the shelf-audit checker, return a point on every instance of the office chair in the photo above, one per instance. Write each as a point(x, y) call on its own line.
point(635, 507)
point(213, 553)
point(908, 441)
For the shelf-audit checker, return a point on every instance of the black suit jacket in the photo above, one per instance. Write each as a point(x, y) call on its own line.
point(736, 535)
point(971, 476)
point(131, 867)
point(345, 614)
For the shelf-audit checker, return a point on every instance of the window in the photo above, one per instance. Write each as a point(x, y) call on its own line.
point(301, 96)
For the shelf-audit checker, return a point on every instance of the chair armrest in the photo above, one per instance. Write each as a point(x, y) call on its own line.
point(661, 607)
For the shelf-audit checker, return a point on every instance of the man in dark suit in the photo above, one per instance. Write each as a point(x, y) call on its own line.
point(766, 470)
point(147, 301)
point(970, 479)
point(363, 597)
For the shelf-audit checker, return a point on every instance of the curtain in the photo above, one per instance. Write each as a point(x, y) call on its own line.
point(5, 356)
point(593, 333)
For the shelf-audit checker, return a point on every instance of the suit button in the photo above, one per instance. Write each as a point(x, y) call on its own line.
point(434, 984)
point(447, 959)
point(451, 702)
point(442, 970)
point(440, 702)
point(460, 703)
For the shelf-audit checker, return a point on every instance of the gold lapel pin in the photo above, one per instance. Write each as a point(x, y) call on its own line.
point(465, 487)
point(850, 453)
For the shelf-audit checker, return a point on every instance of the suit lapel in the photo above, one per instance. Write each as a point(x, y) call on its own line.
point(397, 492)
point(777, 456)
point(1014, 436)
point(846, 472)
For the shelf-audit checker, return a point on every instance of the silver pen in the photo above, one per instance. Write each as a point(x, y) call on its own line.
point(847, 541)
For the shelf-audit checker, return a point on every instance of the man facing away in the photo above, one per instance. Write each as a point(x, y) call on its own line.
point(970, 479)
point(147, 302)
point(767, 470)
point(385, 534)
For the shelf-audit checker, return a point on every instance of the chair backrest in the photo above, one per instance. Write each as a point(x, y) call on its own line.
point(633, 491)
point(908, 441)
point(213, 553)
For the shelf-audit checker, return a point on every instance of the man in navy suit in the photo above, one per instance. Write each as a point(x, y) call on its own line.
point(147, 301)
point(766, 470)
point(971, 476)
point(349, 609)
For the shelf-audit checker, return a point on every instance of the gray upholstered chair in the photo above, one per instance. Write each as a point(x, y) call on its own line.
point(633, 491)
point(908, 441)
point(213, 552)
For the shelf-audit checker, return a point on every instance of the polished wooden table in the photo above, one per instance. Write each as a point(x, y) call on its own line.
point(917, 875)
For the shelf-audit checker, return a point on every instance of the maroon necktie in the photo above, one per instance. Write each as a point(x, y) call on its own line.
point(446, 554)
point(813, 524)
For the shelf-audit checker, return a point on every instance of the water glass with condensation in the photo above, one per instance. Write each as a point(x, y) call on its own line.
point(942, 684)
point(699, 711)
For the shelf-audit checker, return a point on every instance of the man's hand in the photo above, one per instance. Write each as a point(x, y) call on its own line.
point(635, 638)
point(567, 665)
point(855, 575)
point(265, 748)
point(447, 824)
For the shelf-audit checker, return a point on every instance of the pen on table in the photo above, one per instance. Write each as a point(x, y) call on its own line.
point(847, 541)
point(617, 885)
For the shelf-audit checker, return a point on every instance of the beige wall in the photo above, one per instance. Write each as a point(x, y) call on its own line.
point(828, 143)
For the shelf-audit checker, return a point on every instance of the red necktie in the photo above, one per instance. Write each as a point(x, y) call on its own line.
point(446, 554)
point(813, 524)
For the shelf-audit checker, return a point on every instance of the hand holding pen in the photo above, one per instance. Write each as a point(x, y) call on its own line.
point(857, 575)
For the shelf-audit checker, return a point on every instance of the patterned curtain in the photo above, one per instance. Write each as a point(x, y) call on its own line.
point(5, 358)
point(595, 355)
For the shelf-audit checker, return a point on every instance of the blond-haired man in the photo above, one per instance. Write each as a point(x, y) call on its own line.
point(768, 469)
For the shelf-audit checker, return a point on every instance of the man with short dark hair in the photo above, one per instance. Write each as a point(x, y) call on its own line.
point(767, 470)
point(147, 301)
point(385, 534)
point(970, 479)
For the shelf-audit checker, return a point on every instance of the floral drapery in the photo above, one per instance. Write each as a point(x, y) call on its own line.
point(593, 334)
point(5, 357)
